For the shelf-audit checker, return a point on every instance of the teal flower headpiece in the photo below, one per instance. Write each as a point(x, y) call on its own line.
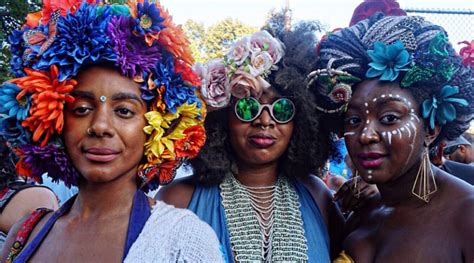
point(441, 107)
point(387, 60)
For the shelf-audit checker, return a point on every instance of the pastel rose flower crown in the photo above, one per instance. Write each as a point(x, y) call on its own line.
point(242, 71)
point(141, 40)
point(387, 61)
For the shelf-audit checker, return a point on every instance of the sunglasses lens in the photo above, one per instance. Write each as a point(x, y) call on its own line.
point(247, 109)
point(283, 110)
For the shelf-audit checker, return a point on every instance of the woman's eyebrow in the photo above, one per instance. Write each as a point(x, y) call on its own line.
point(82, 94)
point(127, 96)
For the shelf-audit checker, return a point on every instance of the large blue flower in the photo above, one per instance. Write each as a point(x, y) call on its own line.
point(10, 106)
point(441, 107)
point(176, 92)
point(14, 133)
point(81, 39)
point(148, 20)
point(17, 49)
point(387, 61)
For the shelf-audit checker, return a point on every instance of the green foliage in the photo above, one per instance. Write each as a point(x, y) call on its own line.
point(214, 41)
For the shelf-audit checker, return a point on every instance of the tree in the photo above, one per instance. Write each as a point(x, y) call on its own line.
point(213, 42)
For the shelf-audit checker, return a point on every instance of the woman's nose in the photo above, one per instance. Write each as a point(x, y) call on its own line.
point(101, 123)
point(265, 119)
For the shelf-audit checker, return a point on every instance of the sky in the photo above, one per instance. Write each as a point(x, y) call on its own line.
point(333, 13)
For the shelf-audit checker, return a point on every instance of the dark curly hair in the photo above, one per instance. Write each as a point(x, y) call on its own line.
point(7, 169)
point(310, 144)
point(347, 51)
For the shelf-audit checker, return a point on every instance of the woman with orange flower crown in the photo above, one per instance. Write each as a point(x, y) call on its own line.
point(104, 98)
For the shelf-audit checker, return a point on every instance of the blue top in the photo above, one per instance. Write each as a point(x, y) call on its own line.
point(206, 203)
point(138, 216)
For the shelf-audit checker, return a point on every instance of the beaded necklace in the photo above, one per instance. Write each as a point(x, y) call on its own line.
point(264, 222)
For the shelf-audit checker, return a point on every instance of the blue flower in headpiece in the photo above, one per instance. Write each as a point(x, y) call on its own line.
point(17, 48)
point(442, 107)
point(81, 39)
point(10, 106)
point(14, 133)
point(387, 61)
point(149, 19)
point(176, 92)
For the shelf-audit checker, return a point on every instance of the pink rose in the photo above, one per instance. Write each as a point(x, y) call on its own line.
point(263, 41)
point(260, 63)
point(215, 88)
point(239, 51)
point(245, 85)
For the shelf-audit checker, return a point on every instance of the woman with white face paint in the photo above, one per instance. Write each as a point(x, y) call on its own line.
point(398, 88)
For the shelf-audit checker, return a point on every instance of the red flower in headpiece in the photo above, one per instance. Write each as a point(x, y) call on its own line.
point(50, 6)
point(187, 73)
point(370, 7)
point(189, 146)
point(467, 53)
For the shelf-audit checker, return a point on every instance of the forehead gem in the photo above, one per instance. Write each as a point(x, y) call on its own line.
point(102, 98)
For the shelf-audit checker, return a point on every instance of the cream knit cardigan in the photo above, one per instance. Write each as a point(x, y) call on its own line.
point(174, 235)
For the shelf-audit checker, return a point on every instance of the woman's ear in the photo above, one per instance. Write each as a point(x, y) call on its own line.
point(431, 134)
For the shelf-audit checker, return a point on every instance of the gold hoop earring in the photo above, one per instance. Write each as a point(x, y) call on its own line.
point(425, 183)
point(356, 189)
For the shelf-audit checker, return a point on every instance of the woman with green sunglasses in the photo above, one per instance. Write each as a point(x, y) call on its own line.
point(254, 178)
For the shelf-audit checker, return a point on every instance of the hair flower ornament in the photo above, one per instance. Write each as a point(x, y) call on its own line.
point(467, 53)
point(242, 72)
point(141, 41)
point(441, 108)
point(387, 60)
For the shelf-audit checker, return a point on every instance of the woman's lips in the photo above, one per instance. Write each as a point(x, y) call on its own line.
point(370, 160)
point(262, 140)
point(102, 155)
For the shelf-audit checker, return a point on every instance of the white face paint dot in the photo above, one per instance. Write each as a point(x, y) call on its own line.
point(369, 177)
point(384, 133)
point(367, 111)
point(403, 128)
point(383, 96)
point(394, 132)
point(390, 95)
point(366, 104)
point(374, 100)
point(367, 122)
point(398, 96)
point(412, 118)
point(412, 110)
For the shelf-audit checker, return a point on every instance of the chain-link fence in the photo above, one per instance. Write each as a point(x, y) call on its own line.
point(458, 23)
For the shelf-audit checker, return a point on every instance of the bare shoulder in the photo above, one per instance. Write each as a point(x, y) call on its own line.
point(178, 193)
point(318, 189)
point(36, 197)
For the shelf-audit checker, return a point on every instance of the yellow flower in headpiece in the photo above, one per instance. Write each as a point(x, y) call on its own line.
point(165, 129)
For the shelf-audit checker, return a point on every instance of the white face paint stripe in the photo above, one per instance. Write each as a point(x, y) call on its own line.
point(389, 134)
point(349, 133)
point(399, 133)
point(414, 116)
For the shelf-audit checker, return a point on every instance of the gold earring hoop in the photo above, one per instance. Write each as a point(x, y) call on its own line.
point(356, 182)
point(425, 183)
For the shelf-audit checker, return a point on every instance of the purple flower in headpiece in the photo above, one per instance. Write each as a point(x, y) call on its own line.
point(134, 56)
point(14, 133)
point(51, 159)
point(148, 20)
point(80, 39)
point(10, 106)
